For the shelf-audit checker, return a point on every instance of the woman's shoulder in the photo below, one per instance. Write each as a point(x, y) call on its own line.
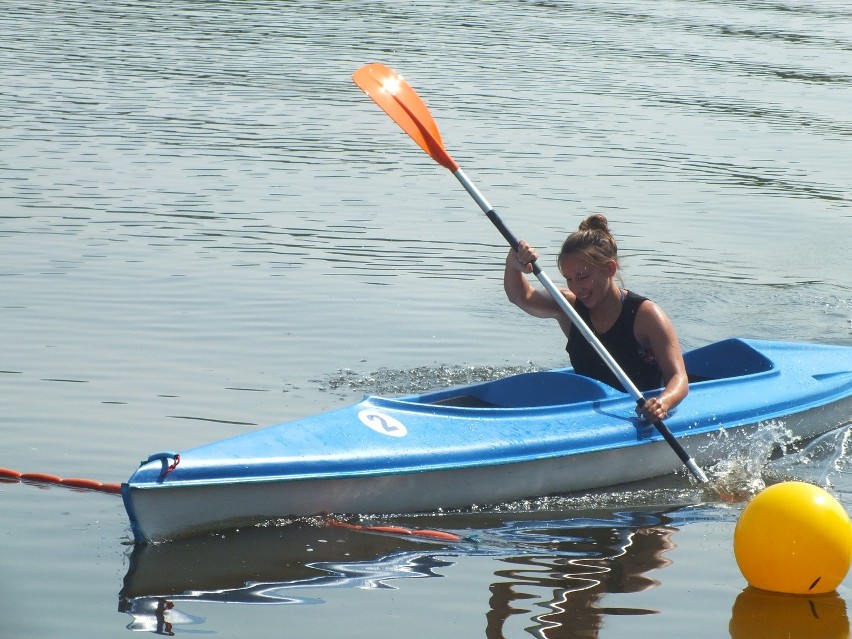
point(650, 317)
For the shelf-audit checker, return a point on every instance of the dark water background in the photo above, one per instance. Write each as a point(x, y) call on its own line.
point(206, 228)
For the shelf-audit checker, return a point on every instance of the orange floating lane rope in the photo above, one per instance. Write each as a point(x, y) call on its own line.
point(41, 478)
point(111, 488)
point(91, 484)
point(390, 530)
point(438, 535)
point(8, 473)
point(76, 482)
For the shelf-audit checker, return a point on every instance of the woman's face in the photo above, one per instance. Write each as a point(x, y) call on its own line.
point(588, 283)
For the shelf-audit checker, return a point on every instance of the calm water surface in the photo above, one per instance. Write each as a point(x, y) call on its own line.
point(207, 228)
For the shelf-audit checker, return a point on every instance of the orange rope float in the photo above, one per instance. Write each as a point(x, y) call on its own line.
point(9, 475)
point(438, 535)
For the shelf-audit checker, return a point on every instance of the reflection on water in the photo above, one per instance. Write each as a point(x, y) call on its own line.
point(757, 614)
point(259, 564)
point(568, 568)
point(564, 566)
point(573, 585)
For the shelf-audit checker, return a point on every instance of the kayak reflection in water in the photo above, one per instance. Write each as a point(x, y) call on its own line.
point(633, 329)
point(571, 590)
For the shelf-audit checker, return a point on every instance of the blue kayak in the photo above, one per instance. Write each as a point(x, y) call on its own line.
point(527, 435)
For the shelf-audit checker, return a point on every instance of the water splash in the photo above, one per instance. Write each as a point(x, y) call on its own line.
point(773, 455)
point(739, 474)
point(387, 381)
point(821, 462)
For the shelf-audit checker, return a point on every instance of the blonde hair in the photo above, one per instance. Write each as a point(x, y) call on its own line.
point(592, 241)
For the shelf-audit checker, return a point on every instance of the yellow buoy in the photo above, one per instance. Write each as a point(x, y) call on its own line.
point(794, 538)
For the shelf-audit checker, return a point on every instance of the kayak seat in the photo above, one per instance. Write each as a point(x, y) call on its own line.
point(545, 388)
point(721, 360)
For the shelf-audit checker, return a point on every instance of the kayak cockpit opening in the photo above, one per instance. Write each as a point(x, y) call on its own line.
point(536, 389)
point(722, 360)
point(725, 359)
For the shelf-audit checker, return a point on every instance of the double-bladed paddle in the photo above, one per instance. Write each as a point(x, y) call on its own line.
point(396, 98)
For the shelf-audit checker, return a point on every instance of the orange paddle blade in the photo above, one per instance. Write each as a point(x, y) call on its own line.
point(396, 98)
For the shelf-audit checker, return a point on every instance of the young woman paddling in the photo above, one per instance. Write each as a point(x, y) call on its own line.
point(634, 330)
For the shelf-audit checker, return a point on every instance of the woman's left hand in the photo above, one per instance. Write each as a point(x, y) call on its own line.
point(653, 410)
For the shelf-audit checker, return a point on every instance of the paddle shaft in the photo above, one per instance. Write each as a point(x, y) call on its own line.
point(571, 312)
point(404, 106)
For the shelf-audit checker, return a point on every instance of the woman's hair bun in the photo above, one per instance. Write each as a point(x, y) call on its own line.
point(595, 222)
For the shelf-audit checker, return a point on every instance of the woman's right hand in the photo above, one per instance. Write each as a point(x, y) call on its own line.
point(522, 259)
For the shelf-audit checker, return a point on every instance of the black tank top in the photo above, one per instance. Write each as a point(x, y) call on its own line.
point(638, 364)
